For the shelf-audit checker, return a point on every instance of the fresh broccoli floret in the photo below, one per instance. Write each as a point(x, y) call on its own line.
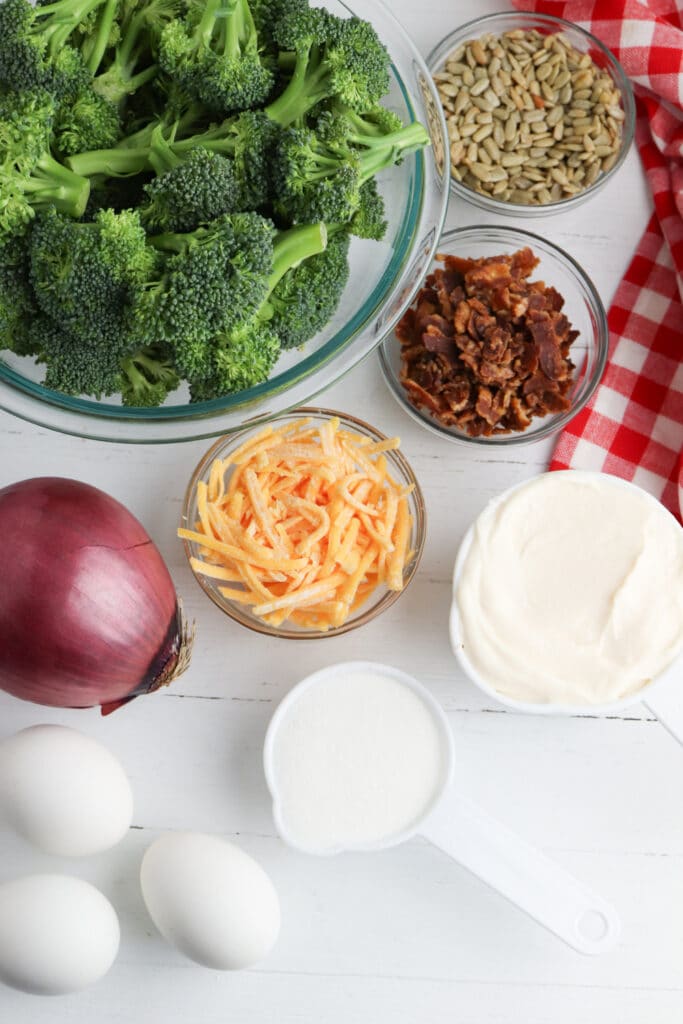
point(147, 377)
point(248, 139)
point(30, 178)
point(132, 66)
point(17, 302)
point(89, 122)
point(214, 54)
point(73, 366)
point(267, 14)
point(311, 182)
point(34, 44)
point(83, 275)
point(335, 57)
point(240, 359)
point(319, 176)
point(369, 220)
point(197, 190)
point(206, 280)
point(308, 295)
point(243, 355)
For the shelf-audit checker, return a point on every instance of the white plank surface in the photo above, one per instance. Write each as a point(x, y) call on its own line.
point(403, 936)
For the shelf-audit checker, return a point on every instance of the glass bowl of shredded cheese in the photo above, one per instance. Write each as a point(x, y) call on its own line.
point(306, 528)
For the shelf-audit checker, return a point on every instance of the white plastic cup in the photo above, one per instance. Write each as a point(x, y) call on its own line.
point(491, 851)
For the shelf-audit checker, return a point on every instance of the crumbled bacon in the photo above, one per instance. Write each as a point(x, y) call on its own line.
point(484, 349)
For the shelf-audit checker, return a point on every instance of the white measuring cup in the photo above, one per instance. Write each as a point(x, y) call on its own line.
point(487, 848)
point(663, 696)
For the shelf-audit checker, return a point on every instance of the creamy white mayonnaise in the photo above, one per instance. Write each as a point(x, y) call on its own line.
point(572, 591)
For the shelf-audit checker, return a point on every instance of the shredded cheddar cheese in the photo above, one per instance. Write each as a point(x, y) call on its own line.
point(303, 524)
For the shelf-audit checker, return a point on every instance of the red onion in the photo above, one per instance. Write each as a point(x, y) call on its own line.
point(88, 611)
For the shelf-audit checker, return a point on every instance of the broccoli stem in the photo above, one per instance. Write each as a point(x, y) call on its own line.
point(205, 29)
point(307, 86)
point(102, 39)
point(294, 246)
point(239, 30)
point(52, 184)
point(118, 81)
point(61, 18)
point(382, 150)
point(113, 163)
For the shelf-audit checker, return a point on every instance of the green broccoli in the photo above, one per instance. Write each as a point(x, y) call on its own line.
point(147, 377)
point(335, 57)
point(197, 190)
point(247, 139)
point(34, 44)
point(132, 65)
point(214, 54)
point(30, 178)
point(243, 354)
point(83, 275)
point(205, 280)
point(17, 302)
point(73, 366)
point(320, 176)
point(306, 297)
point(88, 122)
point(369, 220)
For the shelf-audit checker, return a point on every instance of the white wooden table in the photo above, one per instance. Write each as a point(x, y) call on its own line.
point(404, 936)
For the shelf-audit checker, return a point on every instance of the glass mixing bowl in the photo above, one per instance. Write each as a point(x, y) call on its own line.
point(384, 278)
point(398, 467)
point(583, 307)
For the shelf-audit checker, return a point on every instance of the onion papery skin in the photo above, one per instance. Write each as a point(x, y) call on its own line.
point(88, 611)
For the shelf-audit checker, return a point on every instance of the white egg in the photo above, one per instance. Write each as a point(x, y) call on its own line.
point(63, 791)
point(210, 900)
point(57, 934)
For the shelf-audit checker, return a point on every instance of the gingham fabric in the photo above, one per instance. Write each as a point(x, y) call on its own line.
point(634, 425)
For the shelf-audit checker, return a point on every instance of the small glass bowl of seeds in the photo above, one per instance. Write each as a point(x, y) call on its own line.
point(540, 114)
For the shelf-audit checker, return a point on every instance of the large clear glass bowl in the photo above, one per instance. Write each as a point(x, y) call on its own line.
point(546, 24)
point(384, 278)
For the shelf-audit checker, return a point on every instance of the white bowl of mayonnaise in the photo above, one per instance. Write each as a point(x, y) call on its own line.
point(568, 598)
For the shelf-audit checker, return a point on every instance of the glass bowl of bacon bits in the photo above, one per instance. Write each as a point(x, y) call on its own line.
point(505, 343)
point(306, 528)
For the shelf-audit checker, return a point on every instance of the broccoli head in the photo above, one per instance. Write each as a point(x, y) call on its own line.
point(30, 178)
point(240, 359)
point(132, 63)
point(307, 296)
point(206, 279)
point(74, 366)
point(89, 122)
point(318, 175)
point(83, 274)
point(214, 54)
point(34, 45)
point(369, 220)
point(17, 302)
point(195, 191)
point(311, 182)
point(147, 377)
point(243, 354)
point(340, 58)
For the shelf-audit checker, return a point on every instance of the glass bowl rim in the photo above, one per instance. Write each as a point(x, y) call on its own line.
point(600, 344)
point(388, 598)
point(435, 60)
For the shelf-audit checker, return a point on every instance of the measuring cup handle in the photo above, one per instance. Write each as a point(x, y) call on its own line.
point(523, 874)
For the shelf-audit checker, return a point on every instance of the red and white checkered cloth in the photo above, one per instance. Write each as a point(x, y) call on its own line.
point(633, 427)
